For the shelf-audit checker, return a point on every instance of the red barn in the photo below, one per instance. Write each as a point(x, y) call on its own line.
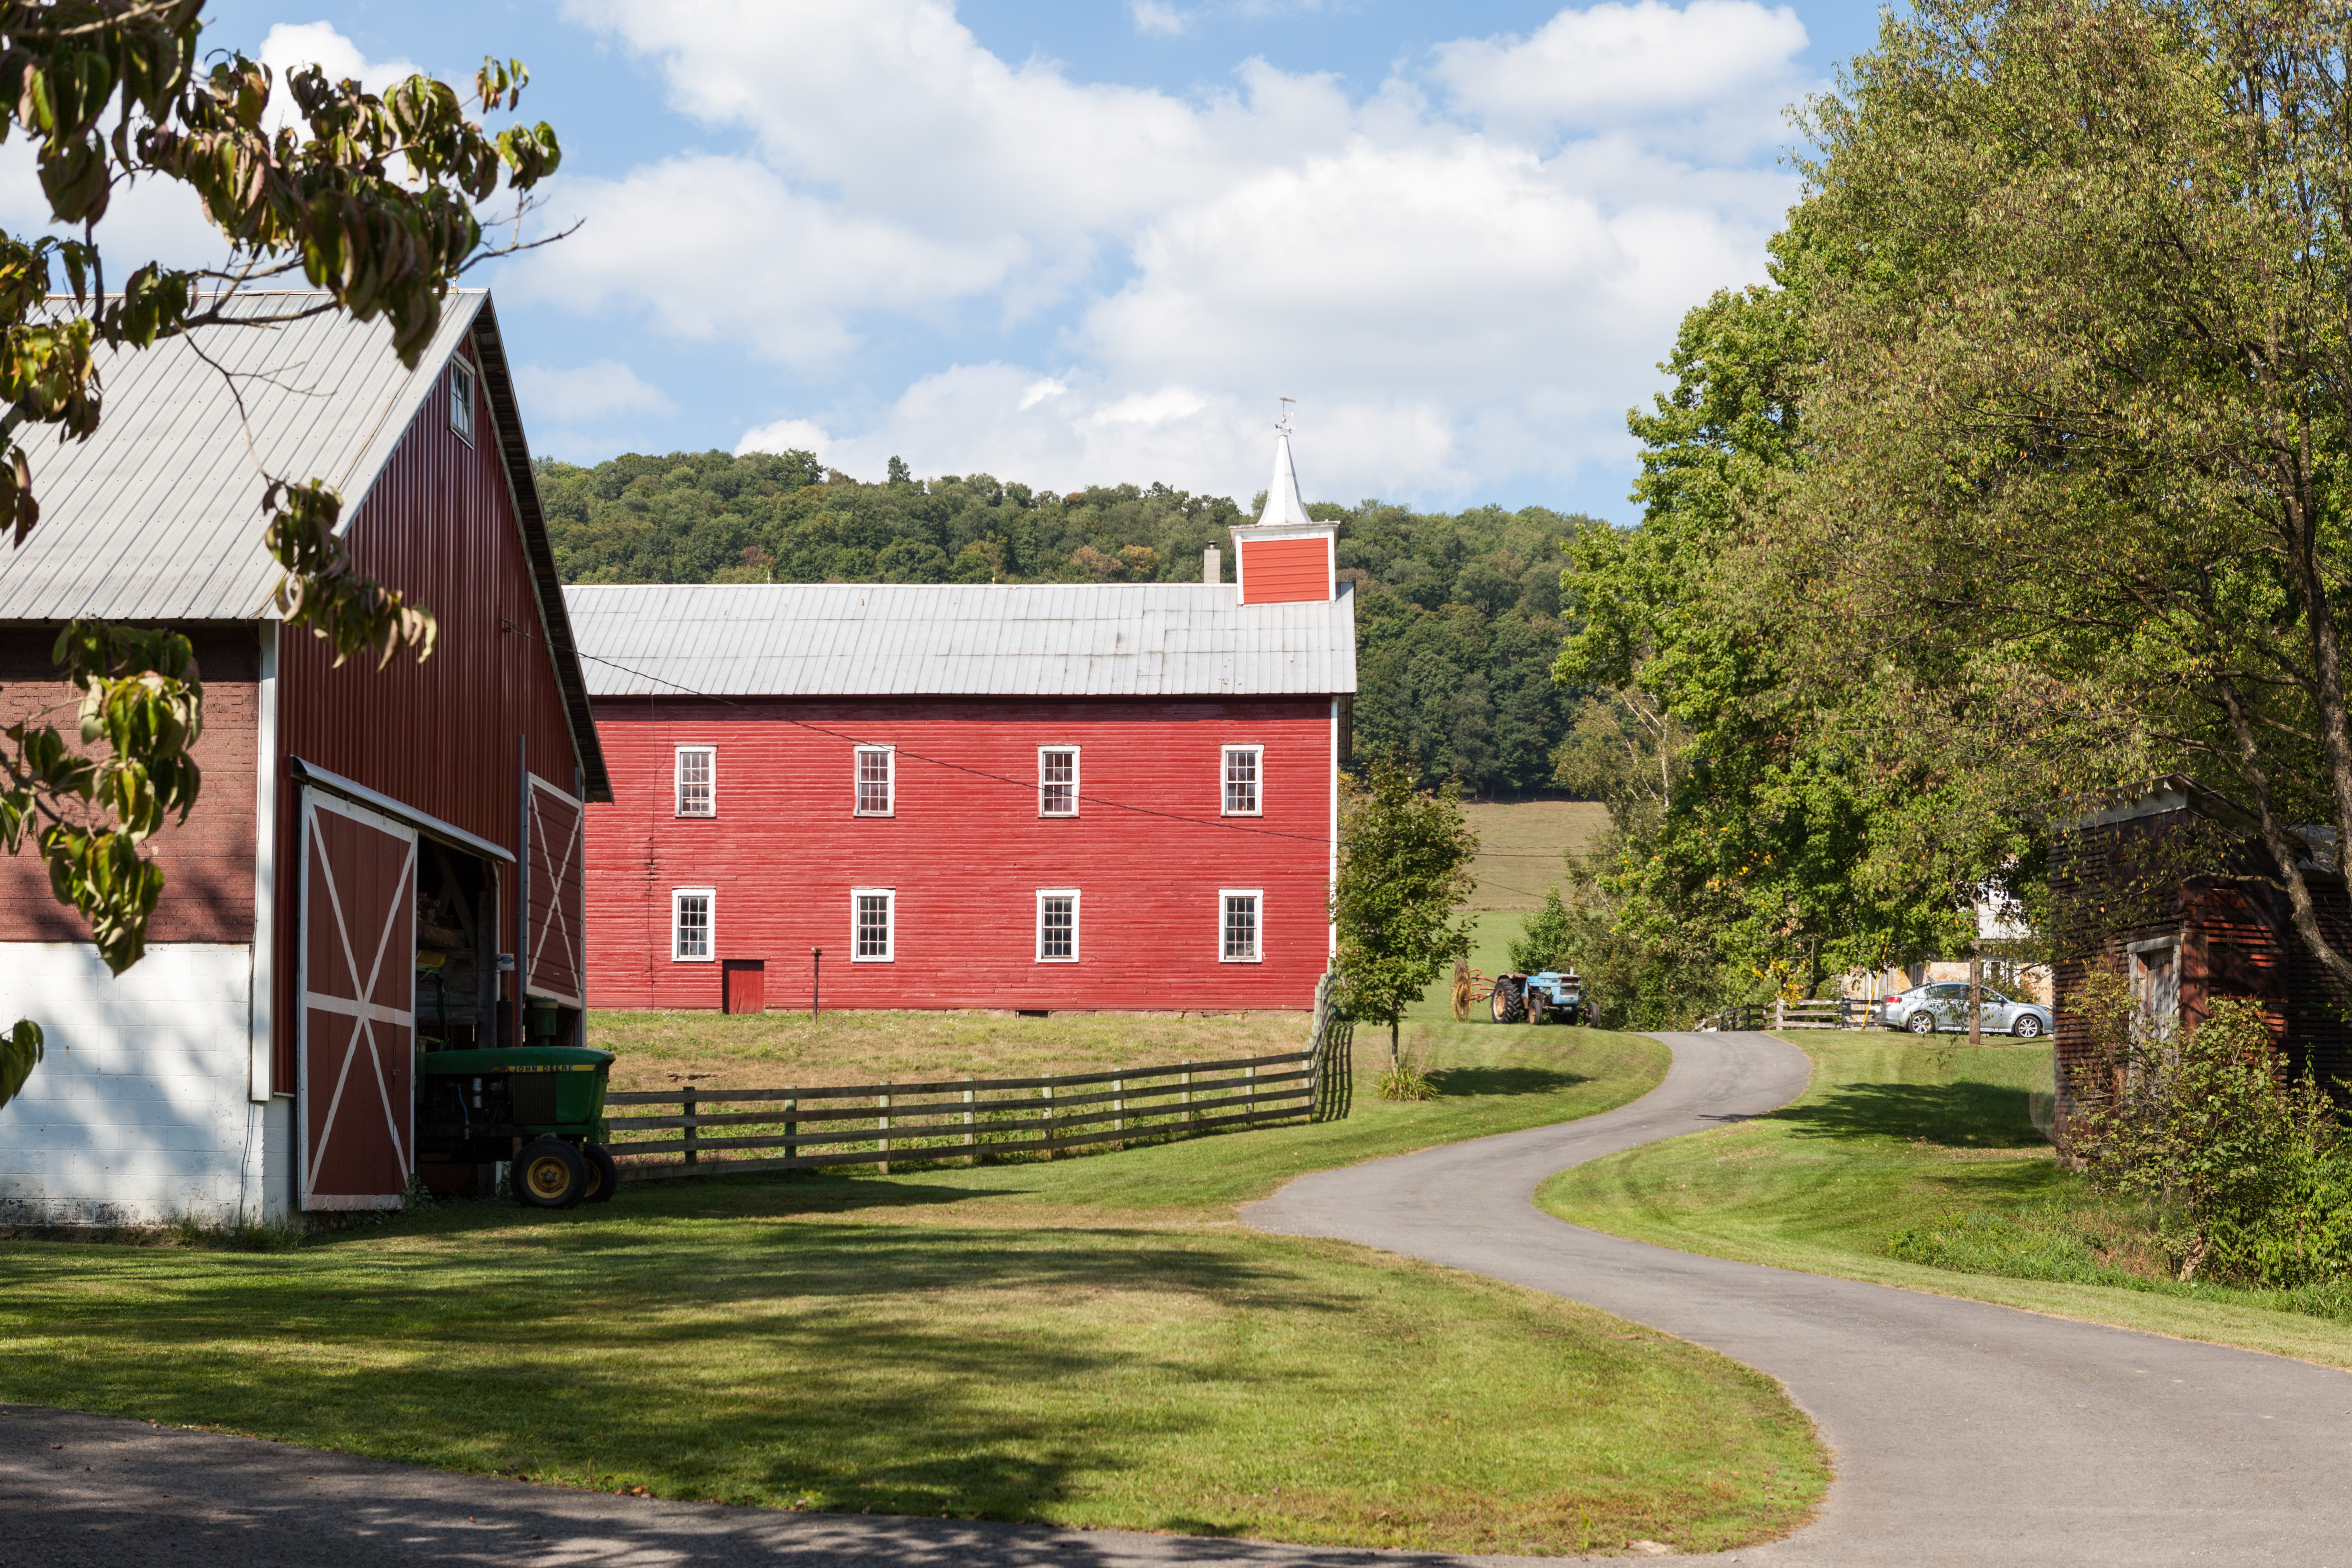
point(1026, 797)
point(381, 860)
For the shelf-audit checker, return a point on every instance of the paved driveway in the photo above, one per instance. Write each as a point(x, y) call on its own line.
point(1964, 1434)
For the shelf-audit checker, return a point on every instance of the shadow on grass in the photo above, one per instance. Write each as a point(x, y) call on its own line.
point(1503, 1080)
point(849, 1365)
point(1964, 1115)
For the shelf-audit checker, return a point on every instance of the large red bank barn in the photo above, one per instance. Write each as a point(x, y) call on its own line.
point(1027, 797)
point(377, 857)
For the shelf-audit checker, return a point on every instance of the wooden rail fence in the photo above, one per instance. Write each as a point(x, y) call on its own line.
point(1845, 1013)
point(974, 1120)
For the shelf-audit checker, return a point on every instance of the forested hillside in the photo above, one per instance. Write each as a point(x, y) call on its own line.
point(1456, 621)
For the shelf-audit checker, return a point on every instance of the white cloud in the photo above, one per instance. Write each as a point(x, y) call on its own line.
point(1471, 286)
point(1153, 16)
point(589, 393)
point(289, 45)
point(1722, 66)
point(787, 435)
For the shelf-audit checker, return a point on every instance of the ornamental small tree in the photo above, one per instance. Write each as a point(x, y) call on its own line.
point(1404, 871)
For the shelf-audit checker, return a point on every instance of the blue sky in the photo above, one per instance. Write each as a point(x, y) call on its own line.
point(1086, 243)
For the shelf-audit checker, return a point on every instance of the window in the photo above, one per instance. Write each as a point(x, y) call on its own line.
point(1057, 925)
point(1057, 781)
point(876, 776)
point(689, 925)
point(461, 400)
point(1241, 764)
point(874, 919)
point(697, 781)
point(1240, 944)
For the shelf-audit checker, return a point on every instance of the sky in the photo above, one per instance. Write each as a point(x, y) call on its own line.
point(1096, 241)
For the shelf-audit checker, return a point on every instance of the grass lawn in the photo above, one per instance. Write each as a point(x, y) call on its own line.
point(769, 1051)
point(1091, 1341)
point(1934, 1142)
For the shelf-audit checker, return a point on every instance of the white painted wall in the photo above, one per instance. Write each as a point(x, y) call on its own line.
point(140, 1113)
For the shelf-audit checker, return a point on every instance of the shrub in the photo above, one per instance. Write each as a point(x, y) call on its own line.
point(2246, 1167)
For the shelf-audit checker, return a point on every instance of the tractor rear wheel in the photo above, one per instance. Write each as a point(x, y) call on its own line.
point(550, 1175)
point(603, 1173)
point(1507, 1006)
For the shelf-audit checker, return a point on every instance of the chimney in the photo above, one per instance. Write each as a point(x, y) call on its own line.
point(1213, 566)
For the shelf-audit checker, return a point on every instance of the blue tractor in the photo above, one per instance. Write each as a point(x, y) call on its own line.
point(1555, 995)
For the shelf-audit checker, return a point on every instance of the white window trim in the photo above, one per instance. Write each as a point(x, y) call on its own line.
point(1257, 893)
point(1223, 754)
point(462, 374)
point(710, 901)
point(1076, 923)
point(1077, 764)
point(889, 778)
point(890, 926)
point(677, 781)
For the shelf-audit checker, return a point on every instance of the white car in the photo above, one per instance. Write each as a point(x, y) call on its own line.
point(1926, 1009)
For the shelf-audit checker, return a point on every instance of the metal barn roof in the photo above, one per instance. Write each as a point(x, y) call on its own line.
point(158, 515)
point(889, 639)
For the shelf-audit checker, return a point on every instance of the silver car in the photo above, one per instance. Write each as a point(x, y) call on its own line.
point(1926, 1009)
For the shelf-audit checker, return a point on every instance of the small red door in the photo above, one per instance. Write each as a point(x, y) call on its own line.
point(558, 956)
point(746, 984)
point(356, 1104)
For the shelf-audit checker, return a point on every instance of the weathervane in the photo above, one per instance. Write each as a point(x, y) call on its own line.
point(1283, 425)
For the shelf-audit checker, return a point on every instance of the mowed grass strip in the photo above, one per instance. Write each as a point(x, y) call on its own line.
point(1085, 1341)
point(1896, 1133)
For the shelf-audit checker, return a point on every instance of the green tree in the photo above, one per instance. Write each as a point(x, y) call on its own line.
point(2083, 303)
point(375, 200)
point(1404, 874)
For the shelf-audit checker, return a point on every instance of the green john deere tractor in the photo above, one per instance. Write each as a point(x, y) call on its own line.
point(540, 1107)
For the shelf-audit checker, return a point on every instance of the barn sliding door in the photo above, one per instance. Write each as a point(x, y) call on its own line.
point(557, 949)
point(357, 1104)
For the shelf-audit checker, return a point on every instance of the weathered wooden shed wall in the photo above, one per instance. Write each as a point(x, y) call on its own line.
point(966, 852)
point(2237, 934)
point(441, 736)
point(207, 861)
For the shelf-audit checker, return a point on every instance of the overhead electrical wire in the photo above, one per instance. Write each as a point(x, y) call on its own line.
point(1024, 785)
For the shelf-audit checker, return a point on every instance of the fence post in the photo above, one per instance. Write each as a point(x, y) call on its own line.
point(1780, 1012)
point(971, 1146)
point(882, 1123)
point(791, 1123)
point(1250, 1072)
point(1049, 1120)
point(1117, 1105)
point(688, 1098)
point(1187, 1102)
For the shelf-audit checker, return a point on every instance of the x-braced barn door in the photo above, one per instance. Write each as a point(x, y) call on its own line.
point(558, 956)
point(357, 1105)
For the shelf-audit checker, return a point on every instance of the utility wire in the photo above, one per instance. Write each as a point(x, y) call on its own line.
point(976, 772)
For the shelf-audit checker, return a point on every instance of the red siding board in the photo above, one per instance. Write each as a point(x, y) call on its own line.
point(966, 852)
point(207, 861)
point(1285, 570)
point(439, 525)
